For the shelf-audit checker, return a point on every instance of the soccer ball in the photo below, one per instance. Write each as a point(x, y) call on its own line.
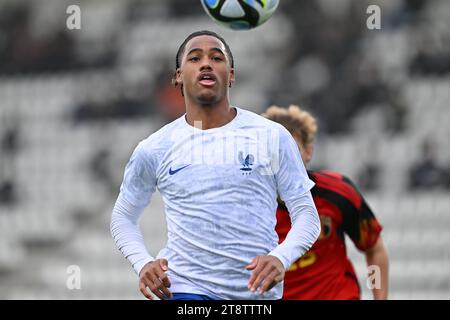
point(240, 14)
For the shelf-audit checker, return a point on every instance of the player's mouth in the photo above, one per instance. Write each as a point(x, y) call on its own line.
point(207, 79)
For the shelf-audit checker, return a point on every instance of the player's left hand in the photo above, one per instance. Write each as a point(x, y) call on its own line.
point(268, 271)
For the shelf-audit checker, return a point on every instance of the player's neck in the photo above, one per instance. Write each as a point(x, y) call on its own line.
point(210, 117)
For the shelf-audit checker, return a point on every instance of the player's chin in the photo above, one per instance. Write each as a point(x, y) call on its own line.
point(208, 97)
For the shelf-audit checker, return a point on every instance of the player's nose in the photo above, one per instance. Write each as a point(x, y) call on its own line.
point(205, 64)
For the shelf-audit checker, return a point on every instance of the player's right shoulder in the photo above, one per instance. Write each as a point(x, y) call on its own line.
point(161, 137)
point(157, 143)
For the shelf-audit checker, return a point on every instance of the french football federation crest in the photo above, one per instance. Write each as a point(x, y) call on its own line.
point(247, 162)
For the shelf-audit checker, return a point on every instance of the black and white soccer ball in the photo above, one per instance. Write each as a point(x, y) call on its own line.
point(240, 14)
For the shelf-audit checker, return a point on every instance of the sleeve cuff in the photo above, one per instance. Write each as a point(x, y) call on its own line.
point(283, 260)
point(138, 266)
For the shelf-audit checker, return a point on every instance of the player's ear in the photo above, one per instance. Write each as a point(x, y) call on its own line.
point(176, 80)
point(232, 78)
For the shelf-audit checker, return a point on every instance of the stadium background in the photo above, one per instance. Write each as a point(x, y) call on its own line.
point(74, 104)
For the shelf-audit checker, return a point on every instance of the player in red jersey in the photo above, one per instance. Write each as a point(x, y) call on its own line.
point(325, 272)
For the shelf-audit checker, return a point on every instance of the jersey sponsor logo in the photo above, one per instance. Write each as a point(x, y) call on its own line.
point(172, 172)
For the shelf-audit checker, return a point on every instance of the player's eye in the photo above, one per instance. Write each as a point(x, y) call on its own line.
point(194, 59)
point(217, 58)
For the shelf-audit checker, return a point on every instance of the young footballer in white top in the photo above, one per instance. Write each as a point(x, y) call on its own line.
point(219, 170)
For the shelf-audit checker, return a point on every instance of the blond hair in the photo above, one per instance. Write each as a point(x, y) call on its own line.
point(297, 121)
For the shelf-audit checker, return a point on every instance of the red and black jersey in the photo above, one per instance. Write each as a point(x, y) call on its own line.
point(325, 272)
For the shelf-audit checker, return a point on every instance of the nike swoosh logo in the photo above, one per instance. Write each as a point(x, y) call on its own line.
point(172, 172)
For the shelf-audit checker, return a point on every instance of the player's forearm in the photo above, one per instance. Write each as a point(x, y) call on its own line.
point(304, 231)
point(377, 256)
point(127, 235)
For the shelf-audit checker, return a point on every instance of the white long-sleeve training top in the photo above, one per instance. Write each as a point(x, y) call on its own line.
point(219, 187)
